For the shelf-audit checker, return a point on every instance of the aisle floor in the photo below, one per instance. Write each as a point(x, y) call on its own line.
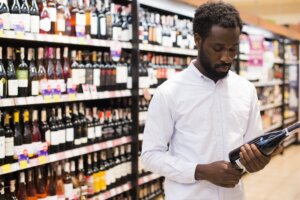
point(280, 180)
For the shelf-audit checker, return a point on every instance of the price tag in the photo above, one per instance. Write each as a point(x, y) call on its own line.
point(20, 35)
point(82, 41)
point(23, 164)
point(6, 168)
point(42, 160)
point(56, 98)
point(47, 99)
point(1, 33)
point(72, 97)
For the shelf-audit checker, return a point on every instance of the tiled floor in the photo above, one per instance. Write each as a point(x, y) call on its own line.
point(280, 180)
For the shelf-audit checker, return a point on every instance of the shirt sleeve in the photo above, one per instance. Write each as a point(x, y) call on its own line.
point(254, 128)
point(158, 131)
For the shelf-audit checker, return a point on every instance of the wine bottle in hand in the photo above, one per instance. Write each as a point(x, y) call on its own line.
point(266, 143)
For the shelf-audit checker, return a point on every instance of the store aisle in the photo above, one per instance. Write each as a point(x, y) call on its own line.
point(280, 180)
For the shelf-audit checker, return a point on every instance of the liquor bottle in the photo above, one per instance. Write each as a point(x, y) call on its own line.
point(74, 10)
point(88, 69)
point(60, 26)
point(21, 193)
point(68, 185)
point(89, 177)
point(123, 165)
point(266, 143)
point(2, 142)
point(22, 74)
point(93, 20)
point(96, 174)
point(9, 140)
point(126, 34)
point(34, 17)
point(121, 74)
point(80, 20)
point(41, 192)
point(5, 15)
point(110, 169)
point(109, 19)
point(55, 133)
point(25, 15)
point(33, 74)
point(108, 72)
point(87, 10)
point(61, 86)
point(45, 21)
point(97, 125)
point(75, 70)
point(51, 4)
point(117, 23)
point(3, 78)
point(11, 190)
point(102, 72)
point(18, 137)
point(90, 126)
point(84, 127)
point(50, 187)
point(82, 180)
point(27, 134)
point(102, 170)
point(69, 129)
point(30, 186)
point(75, 182)
point(12, 82)
point(59, 183)
point(96, 70)
point(62, 130)
point(67, 71)
point(15, 17)
point(45, 130)
point(51, 71)
point(77, 126)
point(36, 134)
point(68, 19)
point(81, 71)
point(117, 161)
point(101, 20)
point(42, 72)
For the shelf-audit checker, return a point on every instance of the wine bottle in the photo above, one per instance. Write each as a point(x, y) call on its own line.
point(2, 143)
point(34, 17)
point(27, 134)
point(84, 126)
point(62, 130)
point(82, 180)
point(51, 4)
point(59, 183)
point(45, 22)
point(12, 82)
point(69, 129)
point(22, 74)
point(42, 72)
point(89, 176)
point(15, 17)
point(68, 185)
point(60, 82)
point(77, 126)
point(22, 194)
point(30, 186)
point(50, 187)
point(25, 15)
point(9, 141)
point(36, 134)
point(18, 138)
point(4, 15)
point(55, 133)
point(41, 192)
point(33, 74)
point(60, 27)
point(266, 143)
point(3, 78)
point(45, 130)
point(90, 126)
point(75, 182)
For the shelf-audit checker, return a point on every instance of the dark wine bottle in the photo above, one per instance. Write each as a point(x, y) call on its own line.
point(266, 143)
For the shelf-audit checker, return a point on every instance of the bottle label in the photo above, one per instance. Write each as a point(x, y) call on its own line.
point(96, 77)
point(130, 31)
point(80, 25)
point(94, 25)
point(1, 89)
point(52, 14)
point(91, 132)
point(122, 74)
point(16, 22)
point(103, 26)
point(43, 84)
point(45, 24)
point(125, 36)
point(9, 146)
point(117, 33)
point(34, 88)
point(48, 137)
point(98, 131)
point(68, 190)
point(22, 76)
point(34, 24)
point(54, 138)
point(62, 136)
point(12, 87)
point(83, 140)
point(26, 21)
point(2, 147)
point(61, 24)
point(4, 17)
point(70, 134)
point(61, 86)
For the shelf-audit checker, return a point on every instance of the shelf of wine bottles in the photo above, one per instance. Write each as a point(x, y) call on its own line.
point(169, 50)
point(145, 179)
point(100, 175)
point(151, 189)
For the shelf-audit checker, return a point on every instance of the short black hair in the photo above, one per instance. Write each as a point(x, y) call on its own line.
point(215, 13)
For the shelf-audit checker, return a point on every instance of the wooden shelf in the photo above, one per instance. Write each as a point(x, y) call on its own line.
point(64, 98)
point(61, 39)
point(9, 168)
point(171, 50)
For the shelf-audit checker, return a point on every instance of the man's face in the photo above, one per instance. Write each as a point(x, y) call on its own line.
point(217, 51)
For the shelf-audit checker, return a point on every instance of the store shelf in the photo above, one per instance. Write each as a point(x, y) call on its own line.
point(61, 39)
point(170, 50)
point(269, 83)
point(290, 120)
point(147, 178)
point(273, 127)
point(270, 106)
point(150, 90)
point(33, 100)
point(113, 192)
point(64, 155)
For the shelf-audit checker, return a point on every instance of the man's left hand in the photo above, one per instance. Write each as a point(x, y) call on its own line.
point(252, 159)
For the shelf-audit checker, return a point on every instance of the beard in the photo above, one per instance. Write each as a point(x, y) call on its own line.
point(211, 69)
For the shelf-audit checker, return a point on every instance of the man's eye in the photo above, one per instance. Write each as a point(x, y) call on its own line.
point(218, 49)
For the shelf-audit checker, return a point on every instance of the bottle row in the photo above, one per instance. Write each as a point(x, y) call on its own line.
point(62, 128)
point(48, 74)
point(79, 178)
point(151, 189)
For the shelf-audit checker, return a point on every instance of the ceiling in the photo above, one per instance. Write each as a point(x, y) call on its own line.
point(281, 12)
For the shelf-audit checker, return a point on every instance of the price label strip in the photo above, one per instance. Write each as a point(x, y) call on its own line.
point(6, 168)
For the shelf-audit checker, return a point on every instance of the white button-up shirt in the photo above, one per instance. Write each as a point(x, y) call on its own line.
point(193, 120)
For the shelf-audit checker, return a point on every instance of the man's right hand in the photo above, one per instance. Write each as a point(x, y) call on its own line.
point(221, 173)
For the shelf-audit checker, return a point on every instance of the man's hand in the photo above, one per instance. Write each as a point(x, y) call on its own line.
point(252, 159)
point(221, 173)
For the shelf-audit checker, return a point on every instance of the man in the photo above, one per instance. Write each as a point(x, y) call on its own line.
point(196, 118)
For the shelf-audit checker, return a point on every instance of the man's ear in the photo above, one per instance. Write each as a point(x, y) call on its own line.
point(197, 40)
